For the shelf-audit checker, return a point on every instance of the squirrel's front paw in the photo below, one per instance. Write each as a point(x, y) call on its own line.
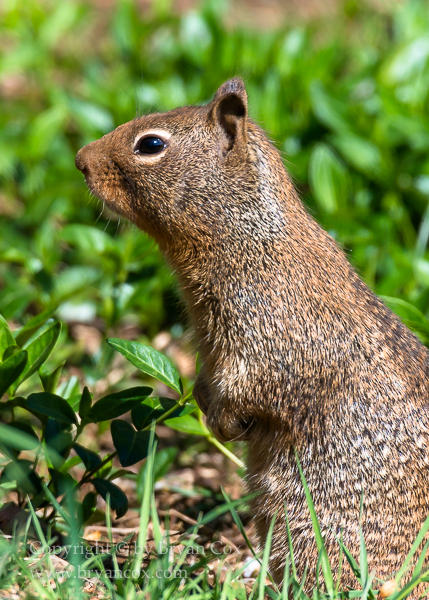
point(226, 426)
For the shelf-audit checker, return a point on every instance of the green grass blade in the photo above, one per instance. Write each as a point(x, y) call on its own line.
point(289, 538)
point(238, 522)
point(285, 588)
point(326, 567)
point(145, 505)
point(420, 562)
point(265, 558)
point(422, 533)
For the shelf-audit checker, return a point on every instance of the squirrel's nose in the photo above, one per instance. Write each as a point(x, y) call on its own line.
point(81, 161)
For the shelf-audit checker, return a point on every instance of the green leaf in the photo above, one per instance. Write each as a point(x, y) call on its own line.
point(63, 482)
point(410, 315)
point(90, 459)
point(328, 179)
point(16, 437)
point(6, 337)
point(89, 504)
point(88, 239)
point(408, 62)
point(121, 473)
point(29, 434)
point(53, 406)
point(38, 352)
point(24, 334)
point(50, 380)
point(328, 110)
point(152, 409)
point(21, 471)
point(11, 369)
point(10, 351)
point(187, 424)
point(118, 500)
point(92, 115)
point(360, 153)
point(149, 361)
point(74, 280)
point(44, 128)
point(59, 441)
point(163, 460)
point(105, 470)
point(85, 403)
point(132, 446)
point(117, 404)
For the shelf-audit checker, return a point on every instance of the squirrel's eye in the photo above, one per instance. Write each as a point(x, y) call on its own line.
point(149, 145)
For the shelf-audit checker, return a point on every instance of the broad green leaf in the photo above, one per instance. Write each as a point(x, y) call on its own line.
point(6, 337)
point(21, 471)
point(92, 115)
point(24, 334)
point(90, 459)
point(410, 315)
point(44, 128)
point(11, 369)
point(50, 380)
point(57, 22)
point(132, 445)
point(88, 239)
point(89, 504)
point(53, 406)
point(118, 500)
point(328, 110)
point(121, 473)
point(149, 361)
point(16, 437)
point(74, 280)
point(59, 441)
point(10, 351)
point(408, 62)
point(38, 351)
point(29, 434)
point(117, 404)
point(105, 470)
point(63, 482)
point(328, 179)
point(163, 460)
point(187, 424)
point(360, 153)
point(85, 403)
point(152, 409)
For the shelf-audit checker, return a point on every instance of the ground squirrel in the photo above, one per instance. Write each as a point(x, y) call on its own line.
point(296, 350)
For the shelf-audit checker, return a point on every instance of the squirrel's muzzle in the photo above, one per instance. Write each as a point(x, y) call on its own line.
point(81, 161)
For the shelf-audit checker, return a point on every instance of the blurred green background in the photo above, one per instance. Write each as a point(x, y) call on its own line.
point(344, 97)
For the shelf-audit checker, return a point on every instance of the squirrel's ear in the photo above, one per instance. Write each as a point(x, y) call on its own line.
point(229, 112)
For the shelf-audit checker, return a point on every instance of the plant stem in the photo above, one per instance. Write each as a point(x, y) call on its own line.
point(224, 450)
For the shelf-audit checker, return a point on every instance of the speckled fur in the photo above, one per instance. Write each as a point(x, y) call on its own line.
point(296, 350)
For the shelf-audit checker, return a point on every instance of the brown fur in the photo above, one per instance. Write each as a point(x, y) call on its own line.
point(297, 351)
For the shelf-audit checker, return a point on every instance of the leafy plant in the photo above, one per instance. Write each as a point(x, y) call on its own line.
point(63, 419)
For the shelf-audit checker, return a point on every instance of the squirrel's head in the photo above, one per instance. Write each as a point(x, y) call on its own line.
point(171, 173)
